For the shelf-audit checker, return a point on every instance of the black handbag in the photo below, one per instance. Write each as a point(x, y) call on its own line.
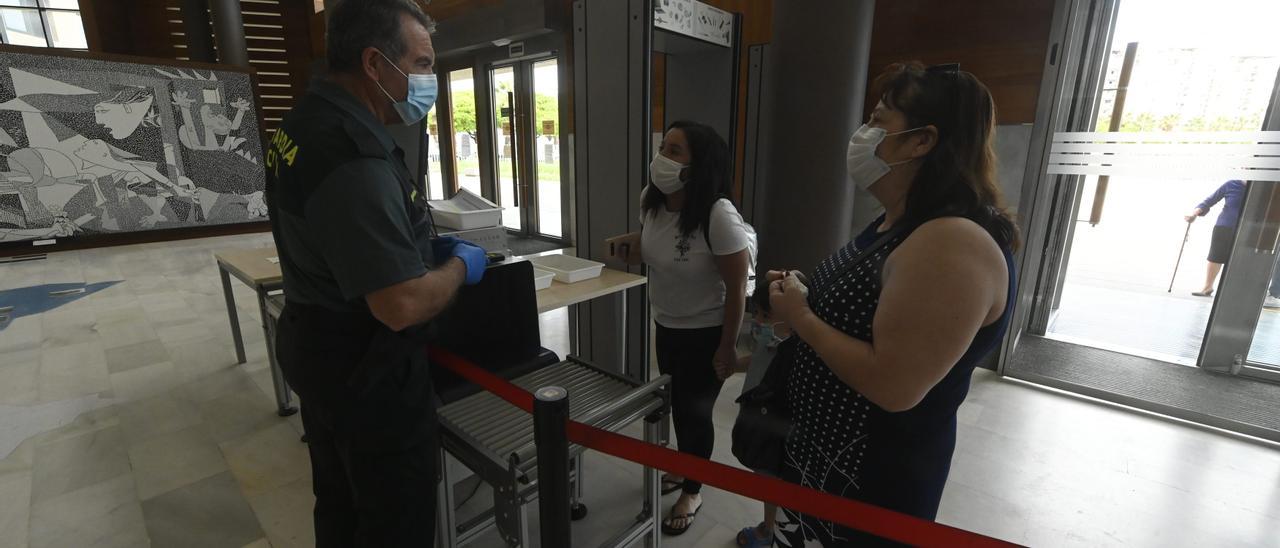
point(764, 416)
point(764, 419)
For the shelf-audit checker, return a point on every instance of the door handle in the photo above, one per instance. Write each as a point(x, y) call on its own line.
point(515, 148)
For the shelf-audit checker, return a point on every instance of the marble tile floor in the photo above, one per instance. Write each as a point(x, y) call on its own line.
point(124, 421)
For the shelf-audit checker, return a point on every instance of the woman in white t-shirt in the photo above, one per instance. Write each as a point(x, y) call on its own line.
point(696, 247)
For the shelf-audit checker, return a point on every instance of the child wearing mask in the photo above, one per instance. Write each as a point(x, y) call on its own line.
point(766, 334)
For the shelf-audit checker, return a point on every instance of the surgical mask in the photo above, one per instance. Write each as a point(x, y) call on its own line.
point(765, 349)
point(420, 98)
point(765, 335)
point(865, 168)
point(664, 173)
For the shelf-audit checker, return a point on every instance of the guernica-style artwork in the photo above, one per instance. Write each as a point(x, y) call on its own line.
point(91, 146)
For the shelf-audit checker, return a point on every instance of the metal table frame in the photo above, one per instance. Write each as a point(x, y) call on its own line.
point(612, 283)
point(263, 289)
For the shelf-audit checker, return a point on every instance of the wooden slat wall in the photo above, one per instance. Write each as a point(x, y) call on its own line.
point(278, 36)
point(441, 10)
point(658, 97)
point(128, 27)
point(1002, 42)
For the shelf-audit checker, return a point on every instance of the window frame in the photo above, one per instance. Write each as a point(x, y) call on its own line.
point(42, 10)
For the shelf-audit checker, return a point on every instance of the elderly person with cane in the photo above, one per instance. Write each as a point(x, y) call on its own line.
point(1224, 230)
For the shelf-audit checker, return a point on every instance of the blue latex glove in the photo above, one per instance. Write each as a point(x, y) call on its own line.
point(442, 247)
point(473, 256)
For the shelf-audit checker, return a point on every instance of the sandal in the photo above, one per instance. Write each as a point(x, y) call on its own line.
point(670, 485)
point(1208, 293)
point(667, 529)
point(749, 537)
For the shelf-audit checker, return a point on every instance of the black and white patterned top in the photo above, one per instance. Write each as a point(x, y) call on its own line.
point(844, 444)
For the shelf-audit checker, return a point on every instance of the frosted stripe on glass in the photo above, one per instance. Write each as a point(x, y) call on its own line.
point(1169, 137)
point(1249, 155)
point(1168, 161)
point(1163, 148)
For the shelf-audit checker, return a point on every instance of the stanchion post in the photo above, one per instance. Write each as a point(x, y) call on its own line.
point(550, 417)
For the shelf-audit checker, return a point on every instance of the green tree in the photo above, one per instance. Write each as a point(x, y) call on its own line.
point(1248, 122)
point(1144, 121)
point(548, 109)
point(464, 111)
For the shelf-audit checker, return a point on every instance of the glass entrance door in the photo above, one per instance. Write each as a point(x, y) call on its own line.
point(1264, 351)
point(508, 146)
point(1152, 172)
point(1150, 215)
point(527, 147)
point(1244, 337)
point(548, 192)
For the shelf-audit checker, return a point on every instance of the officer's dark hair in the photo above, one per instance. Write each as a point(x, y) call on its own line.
point(358, 24)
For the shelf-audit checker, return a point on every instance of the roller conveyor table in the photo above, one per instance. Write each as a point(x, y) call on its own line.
point(495, 440)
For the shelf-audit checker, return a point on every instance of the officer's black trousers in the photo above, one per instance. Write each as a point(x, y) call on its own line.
point(373, 445)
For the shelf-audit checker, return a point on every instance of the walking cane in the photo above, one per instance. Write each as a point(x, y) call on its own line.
point(1180, 250)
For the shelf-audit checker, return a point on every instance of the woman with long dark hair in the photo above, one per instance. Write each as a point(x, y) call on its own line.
point(698, 251)
point(894, 333)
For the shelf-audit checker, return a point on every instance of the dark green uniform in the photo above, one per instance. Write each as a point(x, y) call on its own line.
point(348, 220)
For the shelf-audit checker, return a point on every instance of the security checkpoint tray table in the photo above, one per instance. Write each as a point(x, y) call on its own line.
point(496, 441)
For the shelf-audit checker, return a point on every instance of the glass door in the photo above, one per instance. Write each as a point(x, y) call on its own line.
point(1264, 350)
point(1150, 176)
point(526, 154)
point(435, 168)
point(466, 155)
point(1149, 212)
point(508, 146)
point(1244, 336)
point(548, 183)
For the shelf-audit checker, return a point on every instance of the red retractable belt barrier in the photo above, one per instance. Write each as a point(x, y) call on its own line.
point(850, 513)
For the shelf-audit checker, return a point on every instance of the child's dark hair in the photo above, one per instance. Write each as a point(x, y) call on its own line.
point(759, 301)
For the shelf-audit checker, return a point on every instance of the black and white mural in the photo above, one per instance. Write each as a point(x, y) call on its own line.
point(694, 19)
point(92, 147)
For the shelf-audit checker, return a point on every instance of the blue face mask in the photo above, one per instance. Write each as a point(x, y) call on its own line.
point(765, 334)
point(420, 99)
point(766, 346)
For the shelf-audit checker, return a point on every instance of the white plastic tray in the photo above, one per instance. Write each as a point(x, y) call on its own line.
point(568, 269)
point(466, 211)
point(542, 279)
point(492, 239)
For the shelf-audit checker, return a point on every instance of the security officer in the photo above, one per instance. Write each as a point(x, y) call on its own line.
point(362, 277)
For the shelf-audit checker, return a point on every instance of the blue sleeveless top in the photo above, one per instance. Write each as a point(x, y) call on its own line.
point(846, 445)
